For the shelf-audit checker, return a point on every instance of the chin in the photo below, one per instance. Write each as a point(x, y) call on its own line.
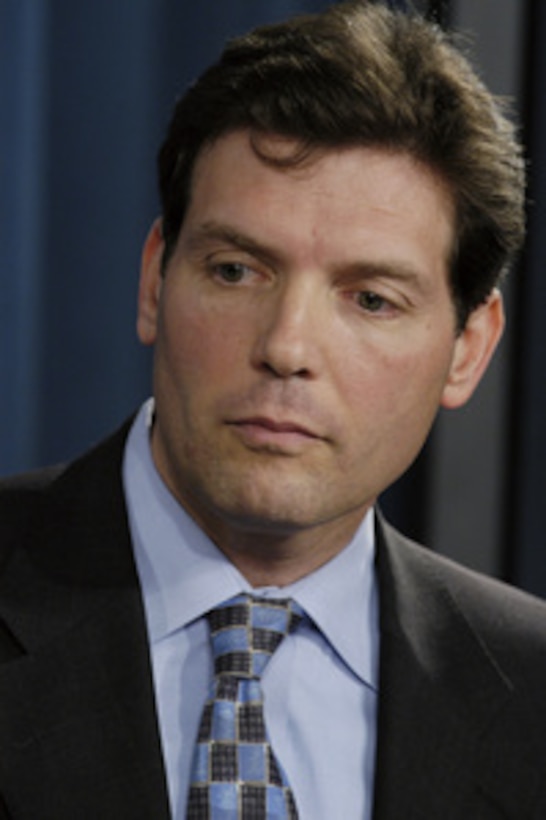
point(272, 514)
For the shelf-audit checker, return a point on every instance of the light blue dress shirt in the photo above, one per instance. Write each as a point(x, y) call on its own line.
point(321, 686)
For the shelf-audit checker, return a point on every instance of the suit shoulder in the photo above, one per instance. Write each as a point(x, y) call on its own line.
point(30, 499)
point(507, 618)
point(20, 498)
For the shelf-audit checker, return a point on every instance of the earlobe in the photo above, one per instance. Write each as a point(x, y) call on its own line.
point(150, 284)
point(473, 351)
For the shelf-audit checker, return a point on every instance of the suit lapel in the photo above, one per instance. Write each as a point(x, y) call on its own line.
point(77, 715)
point(440, 693)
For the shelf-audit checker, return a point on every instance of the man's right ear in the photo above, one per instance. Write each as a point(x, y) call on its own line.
point(150, 284)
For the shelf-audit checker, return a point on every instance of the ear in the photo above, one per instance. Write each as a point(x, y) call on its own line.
point(474, 348)
point(150, 284)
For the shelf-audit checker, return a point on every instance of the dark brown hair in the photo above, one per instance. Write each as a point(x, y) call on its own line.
point(361, 74)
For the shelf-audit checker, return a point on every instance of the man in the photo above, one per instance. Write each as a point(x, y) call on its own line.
point(340, 196)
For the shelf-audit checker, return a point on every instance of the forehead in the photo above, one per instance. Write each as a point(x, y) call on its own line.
point(271, 187)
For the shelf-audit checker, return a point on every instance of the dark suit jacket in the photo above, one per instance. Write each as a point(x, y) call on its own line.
point(462, 714)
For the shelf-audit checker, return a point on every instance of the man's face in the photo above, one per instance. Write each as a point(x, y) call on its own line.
point(304, 334)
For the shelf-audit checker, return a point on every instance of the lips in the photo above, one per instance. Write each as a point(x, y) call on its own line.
point(277, 426)
point(259, 431)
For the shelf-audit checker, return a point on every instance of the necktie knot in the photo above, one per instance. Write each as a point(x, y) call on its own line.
point(245, 632)
point(235, 773)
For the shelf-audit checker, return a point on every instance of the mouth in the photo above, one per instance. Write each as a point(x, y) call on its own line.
point(260, 431)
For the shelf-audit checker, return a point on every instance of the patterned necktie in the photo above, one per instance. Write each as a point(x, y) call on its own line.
point(234, 772)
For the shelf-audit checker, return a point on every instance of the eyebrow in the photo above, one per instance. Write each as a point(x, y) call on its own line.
point(213, 231)
point(394, 270)
point(210, 232)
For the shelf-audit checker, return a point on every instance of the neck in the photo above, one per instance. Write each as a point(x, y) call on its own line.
point(268, 558)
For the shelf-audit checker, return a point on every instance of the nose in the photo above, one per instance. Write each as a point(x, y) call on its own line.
point(288, 340)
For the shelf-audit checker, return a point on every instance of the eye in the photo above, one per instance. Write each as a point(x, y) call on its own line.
point(231, 272)
point(372, 302)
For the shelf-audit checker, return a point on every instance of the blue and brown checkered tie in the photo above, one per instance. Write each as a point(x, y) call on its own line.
point(235, 774)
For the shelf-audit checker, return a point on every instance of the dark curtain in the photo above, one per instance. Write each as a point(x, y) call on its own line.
point(527, 488)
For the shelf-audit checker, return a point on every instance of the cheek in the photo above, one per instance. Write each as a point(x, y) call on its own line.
point(400, 388)
point(198, 344)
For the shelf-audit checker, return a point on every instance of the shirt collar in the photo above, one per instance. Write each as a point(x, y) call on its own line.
point(341, 598)
point(183, 574)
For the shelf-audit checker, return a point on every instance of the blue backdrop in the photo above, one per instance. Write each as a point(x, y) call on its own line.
point(86, 90)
